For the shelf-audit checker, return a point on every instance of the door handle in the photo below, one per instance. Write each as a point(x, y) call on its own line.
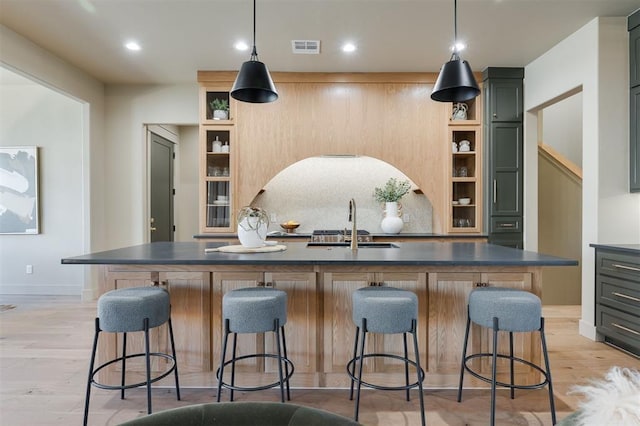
point(152, 228)
point(495, 190)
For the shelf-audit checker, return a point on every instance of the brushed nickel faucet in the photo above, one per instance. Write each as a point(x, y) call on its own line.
point(354, 228)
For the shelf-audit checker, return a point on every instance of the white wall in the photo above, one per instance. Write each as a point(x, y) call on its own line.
point(187, 178)
point(128, 108)
point(596, 59)
point(36, 115)
point(562, 127)
point(24, 57)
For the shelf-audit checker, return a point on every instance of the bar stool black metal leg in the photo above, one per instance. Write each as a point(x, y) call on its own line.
point(124, 364)
point(418, 369)
point(513, 389)
point(494, 371)
point(464, 355)
point(286, 365)
point(148, 363)
point(276, 329)
point(222, 357)
point(91, 365)
point(406, 365)
point(359, 380)
point(547, 367)
point(233, 365)
point(353, 367)
point(175, 360)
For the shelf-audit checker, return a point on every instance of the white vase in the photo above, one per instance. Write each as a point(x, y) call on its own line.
point(220, 114)
point(251, 233)
point(392, 222)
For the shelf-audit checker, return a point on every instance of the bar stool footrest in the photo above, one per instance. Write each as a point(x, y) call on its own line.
point(256, 388)
point(502, 384)
point(379, 387)
point(136, 385)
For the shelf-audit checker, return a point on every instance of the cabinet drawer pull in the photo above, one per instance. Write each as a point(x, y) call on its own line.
point(507, 225)
point(625, 328)
point(635, 299)
point(630, 268)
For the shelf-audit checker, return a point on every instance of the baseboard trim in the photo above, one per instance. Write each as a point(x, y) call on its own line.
point(588, 330)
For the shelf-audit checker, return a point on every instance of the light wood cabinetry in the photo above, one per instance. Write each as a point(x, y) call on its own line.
point(217, 169)
point(190, 315)
point(300, 329)
point(448, 294)
point(320, 331)
point(339, 329)
point(465, 171)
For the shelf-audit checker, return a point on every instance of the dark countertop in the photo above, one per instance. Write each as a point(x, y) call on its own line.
point(629, 248)
point(296, 235)
point(297, 253)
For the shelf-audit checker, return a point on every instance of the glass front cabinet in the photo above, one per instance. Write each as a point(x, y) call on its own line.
point(217, 168)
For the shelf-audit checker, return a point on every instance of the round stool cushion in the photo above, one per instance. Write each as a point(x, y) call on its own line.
point(516, 310)
point(254, 309)
point(386, 309)
point(125, 309)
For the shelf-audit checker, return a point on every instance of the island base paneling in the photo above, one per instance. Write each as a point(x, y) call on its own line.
point(319, 329)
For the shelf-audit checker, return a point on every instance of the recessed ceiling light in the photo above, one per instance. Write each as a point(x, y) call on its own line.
point(241, 45)
point(133, 45)
point(349, 47)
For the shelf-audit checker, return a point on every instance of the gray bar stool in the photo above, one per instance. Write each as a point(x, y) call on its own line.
point(505, 309)
point(255, 310)
point(128, 310)
point(385, 310)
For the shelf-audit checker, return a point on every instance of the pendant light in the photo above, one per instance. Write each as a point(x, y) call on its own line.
point(253, 83)
point(456, 82)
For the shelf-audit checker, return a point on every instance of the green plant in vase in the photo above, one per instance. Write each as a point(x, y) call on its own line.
point(220, 108)
point(390, 194)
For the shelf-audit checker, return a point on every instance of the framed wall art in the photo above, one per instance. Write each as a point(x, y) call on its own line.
point(19, 209)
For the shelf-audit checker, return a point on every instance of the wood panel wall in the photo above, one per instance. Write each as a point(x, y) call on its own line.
point(389, 116)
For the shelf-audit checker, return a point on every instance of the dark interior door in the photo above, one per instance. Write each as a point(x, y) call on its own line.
point(161, 220)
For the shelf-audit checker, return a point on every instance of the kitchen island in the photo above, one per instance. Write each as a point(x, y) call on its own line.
point(319, 282)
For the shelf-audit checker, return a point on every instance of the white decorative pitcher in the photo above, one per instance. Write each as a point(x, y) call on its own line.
point(392, 222)
point(252, 232)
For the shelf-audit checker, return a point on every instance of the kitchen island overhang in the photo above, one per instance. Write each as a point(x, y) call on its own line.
point(319, 283)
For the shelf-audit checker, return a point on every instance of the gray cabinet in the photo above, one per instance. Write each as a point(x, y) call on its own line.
point(618, 296)
point(503, 161)
point(634, 107)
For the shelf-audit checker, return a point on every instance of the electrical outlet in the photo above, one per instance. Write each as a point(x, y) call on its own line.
point(406, 218)
point(29, 269)
point(273, 217)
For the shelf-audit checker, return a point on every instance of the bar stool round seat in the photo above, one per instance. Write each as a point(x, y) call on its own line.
point(132, 310)
point(384, 310)
point(512, 311)
point(255, 310)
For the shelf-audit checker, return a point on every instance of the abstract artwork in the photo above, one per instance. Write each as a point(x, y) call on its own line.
point(19, 190)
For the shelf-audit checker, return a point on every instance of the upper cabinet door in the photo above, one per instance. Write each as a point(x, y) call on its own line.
point(634, 49)
point(505, 99)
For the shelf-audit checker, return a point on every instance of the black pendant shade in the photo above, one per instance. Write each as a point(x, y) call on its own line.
point(253, 83)
point(456, 82)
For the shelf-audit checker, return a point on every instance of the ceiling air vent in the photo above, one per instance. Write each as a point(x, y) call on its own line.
point(306, 47)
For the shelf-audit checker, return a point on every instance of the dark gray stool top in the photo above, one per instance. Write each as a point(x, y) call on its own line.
point(254, 309)
point(386, 309)
point(516, 310)
point(125, 309)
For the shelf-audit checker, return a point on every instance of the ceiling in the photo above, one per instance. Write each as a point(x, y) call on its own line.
point(180, 37)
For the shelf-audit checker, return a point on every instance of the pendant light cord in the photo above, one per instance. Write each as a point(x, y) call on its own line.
point(454, 55)
point(254, 51)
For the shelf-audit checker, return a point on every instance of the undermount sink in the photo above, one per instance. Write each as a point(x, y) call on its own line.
point(348, 244)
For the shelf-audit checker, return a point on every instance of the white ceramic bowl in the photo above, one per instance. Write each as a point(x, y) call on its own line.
point(464, 201)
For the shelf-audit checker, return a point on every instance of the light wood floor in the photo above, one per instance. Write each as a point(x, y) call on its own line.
point(45, 345)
